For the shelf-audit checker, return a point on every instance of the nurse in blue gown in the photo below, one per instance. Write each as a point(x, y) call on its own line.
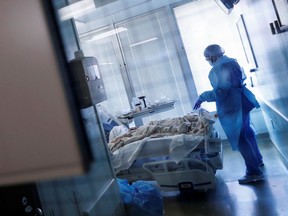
point(234, 103)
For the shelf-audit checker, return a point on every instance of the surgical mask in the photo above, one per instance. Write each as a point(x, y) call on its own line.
point(208, 59)
point(210, 62)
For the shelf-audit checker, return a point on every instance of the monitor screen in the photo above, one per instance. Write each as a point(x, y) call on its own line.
point(227, 5)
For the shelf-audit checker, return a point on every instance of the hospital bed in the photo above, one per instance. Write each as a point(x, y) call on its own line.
point(176, 161)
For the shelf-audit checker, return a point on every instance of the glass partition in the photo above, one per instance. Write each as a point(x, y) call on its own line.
point(139, 57)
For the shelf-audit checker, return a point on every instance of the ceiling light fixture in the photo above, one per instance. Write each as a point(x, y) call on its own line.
point(76, 9)
point(142, 42)
point(107, 34)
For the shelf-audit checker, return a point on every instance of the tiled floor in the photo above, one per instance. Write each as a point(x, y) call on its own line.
point(265, 198)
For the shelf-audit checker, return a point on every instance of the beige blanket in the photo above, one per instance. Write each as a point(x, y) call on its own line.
point(196, 123)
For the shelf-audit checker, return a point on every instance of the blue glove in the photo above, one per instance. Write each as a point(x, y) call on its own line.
point(197, 104)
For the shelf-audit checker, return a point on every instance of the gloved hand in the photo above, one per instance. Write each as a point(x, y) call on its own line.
point(197, 104)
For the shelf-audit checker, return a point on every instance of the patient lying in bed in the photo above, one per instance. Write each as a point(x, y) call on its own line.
point(196, 123)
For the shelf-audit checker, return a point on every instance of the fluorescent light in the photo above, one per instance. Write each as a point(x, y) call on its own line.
point(105, 63)
point(107, 34)
point(142, 42)
point(76, 9)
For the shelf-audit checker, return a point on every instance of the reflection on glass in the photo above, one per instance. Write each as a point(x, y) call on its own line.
point(153, 64)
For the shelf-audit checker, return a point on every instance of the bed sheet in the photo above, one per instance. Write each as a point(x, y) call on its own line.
point(176, 137)
point(177, 147)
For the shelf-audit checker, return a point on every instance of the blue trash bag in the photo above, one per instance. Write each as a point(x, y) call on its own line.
point(141, 197)
point(126, 191)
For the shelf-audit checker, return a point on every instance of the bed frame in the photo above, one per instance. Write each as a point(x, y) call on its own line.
point(195, 171)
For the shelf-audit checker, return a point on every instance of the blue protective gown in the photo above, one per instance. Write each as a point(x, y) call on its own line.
point(234, 102)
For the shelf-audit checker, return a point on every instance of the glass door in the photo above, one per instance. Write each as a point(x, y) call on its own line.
point(139, 57)
point(202, 23)
point(153, 66)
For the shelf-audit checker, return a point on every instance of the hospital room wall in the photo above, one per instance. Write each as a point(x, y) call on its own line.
point(271, 52)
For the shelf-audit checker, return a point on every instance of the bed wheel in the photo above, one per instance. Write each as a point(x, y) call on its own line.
point(185, 188)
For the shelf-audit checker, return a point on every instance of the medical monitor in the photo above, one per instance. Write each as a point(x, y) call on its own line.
point(227, 5)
